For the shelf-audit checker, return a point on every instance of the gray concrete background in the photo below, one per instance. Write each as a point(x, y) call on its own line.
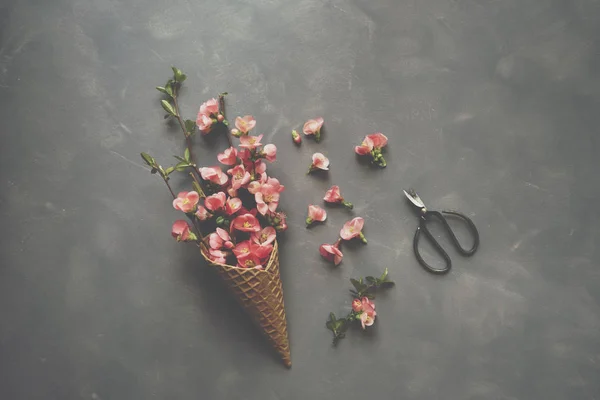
point(491, 108)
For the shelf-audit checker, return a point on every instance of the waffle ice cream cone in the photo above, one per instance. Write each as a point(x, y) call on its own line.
point(260, 293)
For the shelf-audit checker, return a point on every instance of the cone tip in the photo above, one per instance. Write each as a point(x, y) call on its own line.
point(288, 363)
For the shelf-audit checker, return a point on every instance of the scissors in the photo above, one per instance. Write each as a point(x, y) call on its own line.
point(426, 216)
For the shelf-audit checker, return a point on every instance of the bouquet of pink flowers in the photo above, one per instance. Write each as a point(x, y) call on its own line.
point(235, 208)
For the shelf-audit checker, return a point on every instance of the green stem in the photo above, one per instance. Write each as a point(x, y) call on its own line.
point(222, 112)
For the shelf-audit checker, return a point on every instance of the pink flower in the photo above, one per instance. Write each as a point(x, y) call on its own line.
point(315, 213)
point(213, 174)
point(220, 239)
point(209, 107)
point(379, 140)
point(186, 201)
point(217, 256)
point(245, 123)
point(204, 123)
point(277, 220)
point(265, 236)
point(243, 249)
point(267, 199)
point(357, 305)
point(259, 166)
point(228, 157)
point(352, 229)
point(252, 261)
point(333, 195)
point(365, 147)
point(215, 202)
point(250, 142)
point(246, 223)
point(202, 214)
point(263, 251)
point(319, 161)
point(367, 317)
point(181, 231)
point(296, 137)
point(239, 176)
point(331, 252)
point(313, 127)
point(233, 205)
point(372, 145)
point(270, 152)
point(254, 187)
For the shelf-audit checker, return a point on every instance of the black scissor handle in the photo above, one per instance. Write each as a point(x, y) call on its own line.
point(423, 227)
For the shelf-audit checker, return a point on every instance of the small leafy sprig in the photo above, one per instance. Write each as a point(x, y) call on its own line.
point(363, 308)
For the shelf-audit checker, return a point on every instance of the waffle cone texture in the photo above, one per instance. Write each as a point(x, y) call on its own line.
point(260, 293)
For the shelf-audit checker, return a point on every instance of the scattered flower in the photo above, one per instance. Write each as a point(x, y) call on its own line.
point(315, 213)
point(372, 145)
point(296, 137)
point(181, 231)
point(186, 201)
point(331, 252)
point(352, 229)
point(245, 124)
point(333, 195)
point(319, 161)
point(313, 127)
point(367, 316)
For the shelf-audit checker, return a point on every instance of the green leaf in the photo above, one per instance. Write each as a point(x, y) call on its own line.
point(169, 171)
point(178, 74)
point(169, 88)
point(384, 275)
point(148, 159)
point(330, 324)
point(371, 279)
point(181, 166)
point(358, 285)
point(387, 284)
point(180, 158)
point(186, 154)
point(190, 126)
point(164, 90)
point(168, 107)
point(153, 171)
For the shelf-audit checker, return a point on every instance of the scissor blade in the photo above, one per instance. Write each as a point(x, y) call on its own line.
point(414, 198)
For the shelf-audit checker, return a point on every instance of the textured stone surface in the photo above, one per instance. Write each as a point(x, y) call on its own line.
point(491, 108)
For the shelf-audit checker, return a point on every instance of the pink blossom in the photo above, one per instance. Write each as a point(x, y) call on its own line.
point(233, 205)
point(296, 137)
point(209, 107)
point(379, 140)
point(244, 155)
point(250, 142)
point(319, 161)
point(267, 199)
point(215, 202)
point(220, 239)
point(270, 152)
point(313, 127)
point(239, 176)
point(232, 192)
point(245, 123)
point(228, 157)
point(217, 256)
point(252, 261)
point(186, 201)
point(352, 229)
point(365, 147)
point(204, 123)
point(266, 236)
point(243, 249)
point(367, 317)
point(181, 231)
point(246, 223)
point(214, 175)
point(315, 213)
point(202, 214)
point(263, 251)
point(278, 187)
point(279, 221)
point(357, 305)
point(331, 252)
point(259, 166)
point(254, 187)
point(333, 195)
